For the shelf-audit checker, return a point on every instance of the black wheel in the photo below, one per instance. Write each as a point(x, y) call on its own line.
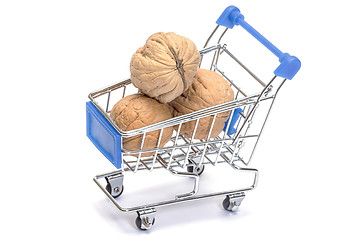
point(226, 204)
point(139, 224)
point(232, 202)
point(117, 191)
point(197, 170)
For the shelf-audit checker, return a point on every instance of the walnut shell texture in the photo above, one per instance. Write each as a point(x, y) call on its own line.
point(208, 89)
point(137, 111)
point(165, 66)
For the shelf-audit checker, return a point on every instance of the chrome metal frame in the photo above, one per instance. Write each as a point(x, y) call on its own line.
point(182, 152)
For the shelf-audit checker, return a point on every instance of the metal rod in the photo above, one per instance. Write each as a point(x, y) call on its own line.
point(225, 134)
point(176, 138)
point(252, 109)
point(209, 49)
point(214, 56)
point(206, 43)
point(211, 35)
point(123, 95)
point(231, 82)
point(222, 35)
point(107, 102)
point(187, 174)
point(192, 139)
point(157, 148)
point(263, 125)
point(207, 139)
point(112, 87)
point(141, 147)
point(246, 69)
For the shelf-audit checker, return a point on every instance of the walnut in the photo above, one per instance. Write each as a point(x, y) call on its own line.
point(137, 111)
point(208, 89)
point(165, 66)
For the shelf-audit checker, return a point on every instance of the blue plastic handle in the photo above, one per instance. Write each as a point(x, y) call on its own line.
point(289, 65)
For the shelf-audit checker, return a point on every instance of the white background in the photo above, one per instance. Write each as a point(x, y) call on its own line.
point(53, 53)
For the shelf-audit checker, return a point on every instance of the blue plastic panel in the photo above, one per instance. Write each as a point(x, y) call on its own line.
point(103, 135)
point(235, 120)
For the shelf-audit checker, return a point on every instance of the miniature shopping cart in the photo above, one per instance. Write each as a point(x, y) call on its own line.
point(187, 156)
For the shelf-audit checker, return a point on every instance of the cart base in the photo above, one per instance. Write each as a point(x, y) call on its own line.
point(146, 213)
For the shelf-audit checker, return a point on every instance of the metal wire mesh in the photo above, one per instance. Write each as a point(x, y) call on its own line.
point(182, 151)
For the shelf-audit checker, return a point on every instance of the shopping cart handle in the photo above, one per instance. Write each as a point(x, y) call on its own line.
point(289, 65)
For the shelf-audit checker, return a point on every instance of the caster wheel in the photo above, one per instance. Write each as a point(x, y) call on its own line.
point(144, 223)
point(232, 203)
point(115, 185)
point(116, 192)
point(196, 170)
point(226, 204)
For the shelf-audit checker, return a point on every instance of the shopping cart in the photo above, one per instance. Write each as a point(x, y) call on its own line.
point(187, 156)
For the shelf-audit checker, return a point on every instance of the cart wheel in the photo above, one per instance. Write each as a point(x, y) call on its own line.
point(232, 202)
point(196, 170)
point(144, 223)
point(226, 204)
point(116, 192)
point(115, 185)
